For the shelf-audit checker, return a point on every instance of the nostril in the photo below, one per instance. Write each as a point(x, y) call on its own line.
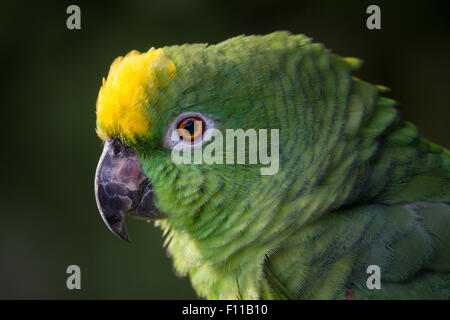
point(117, 147)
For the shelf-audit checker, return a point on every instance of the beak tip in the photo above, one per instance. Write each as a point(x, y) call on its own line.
point(122, 234)
point(126, 239)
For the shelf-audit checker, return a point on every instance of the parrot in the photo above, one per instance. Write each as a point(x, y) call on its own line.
point(360, 205)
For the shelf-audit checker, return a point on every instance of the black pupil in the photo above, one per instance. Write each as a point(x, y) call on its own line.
point(189, 125)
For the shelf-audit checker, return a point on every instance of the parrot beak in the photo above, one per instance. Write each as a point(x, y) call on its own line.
point(121, 188)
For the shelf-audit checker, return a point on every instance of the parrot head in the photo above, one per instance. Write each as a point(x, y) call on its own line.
point(151, 103)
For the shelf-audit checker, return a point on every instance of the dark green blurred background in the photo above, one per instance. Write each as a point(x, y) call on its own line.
point(50, 77)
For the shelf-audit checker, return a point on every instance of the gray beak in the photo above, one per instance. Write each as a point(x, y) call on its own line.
point(121, 188)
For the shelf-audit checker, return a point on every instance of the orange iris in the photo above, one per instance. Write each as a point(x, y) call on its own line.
point(190, 128)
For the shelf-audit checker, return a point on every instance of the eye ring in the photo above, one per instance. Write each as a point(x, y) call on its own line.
point(191, 128)
point(182, 134)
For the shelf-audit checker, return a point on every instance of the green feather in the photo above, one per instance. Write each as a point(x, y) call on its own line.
point(357, 184)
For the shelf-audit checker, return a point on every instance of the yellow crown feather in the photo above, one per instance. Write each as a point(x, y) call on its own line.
point(131, 85)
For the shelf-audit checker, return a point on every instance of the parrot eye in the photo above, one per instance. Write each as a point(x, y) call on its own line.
point(189, 129)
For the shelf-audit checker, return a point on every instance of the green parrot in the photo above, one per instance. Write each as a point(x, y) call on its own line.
point(358, 209)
